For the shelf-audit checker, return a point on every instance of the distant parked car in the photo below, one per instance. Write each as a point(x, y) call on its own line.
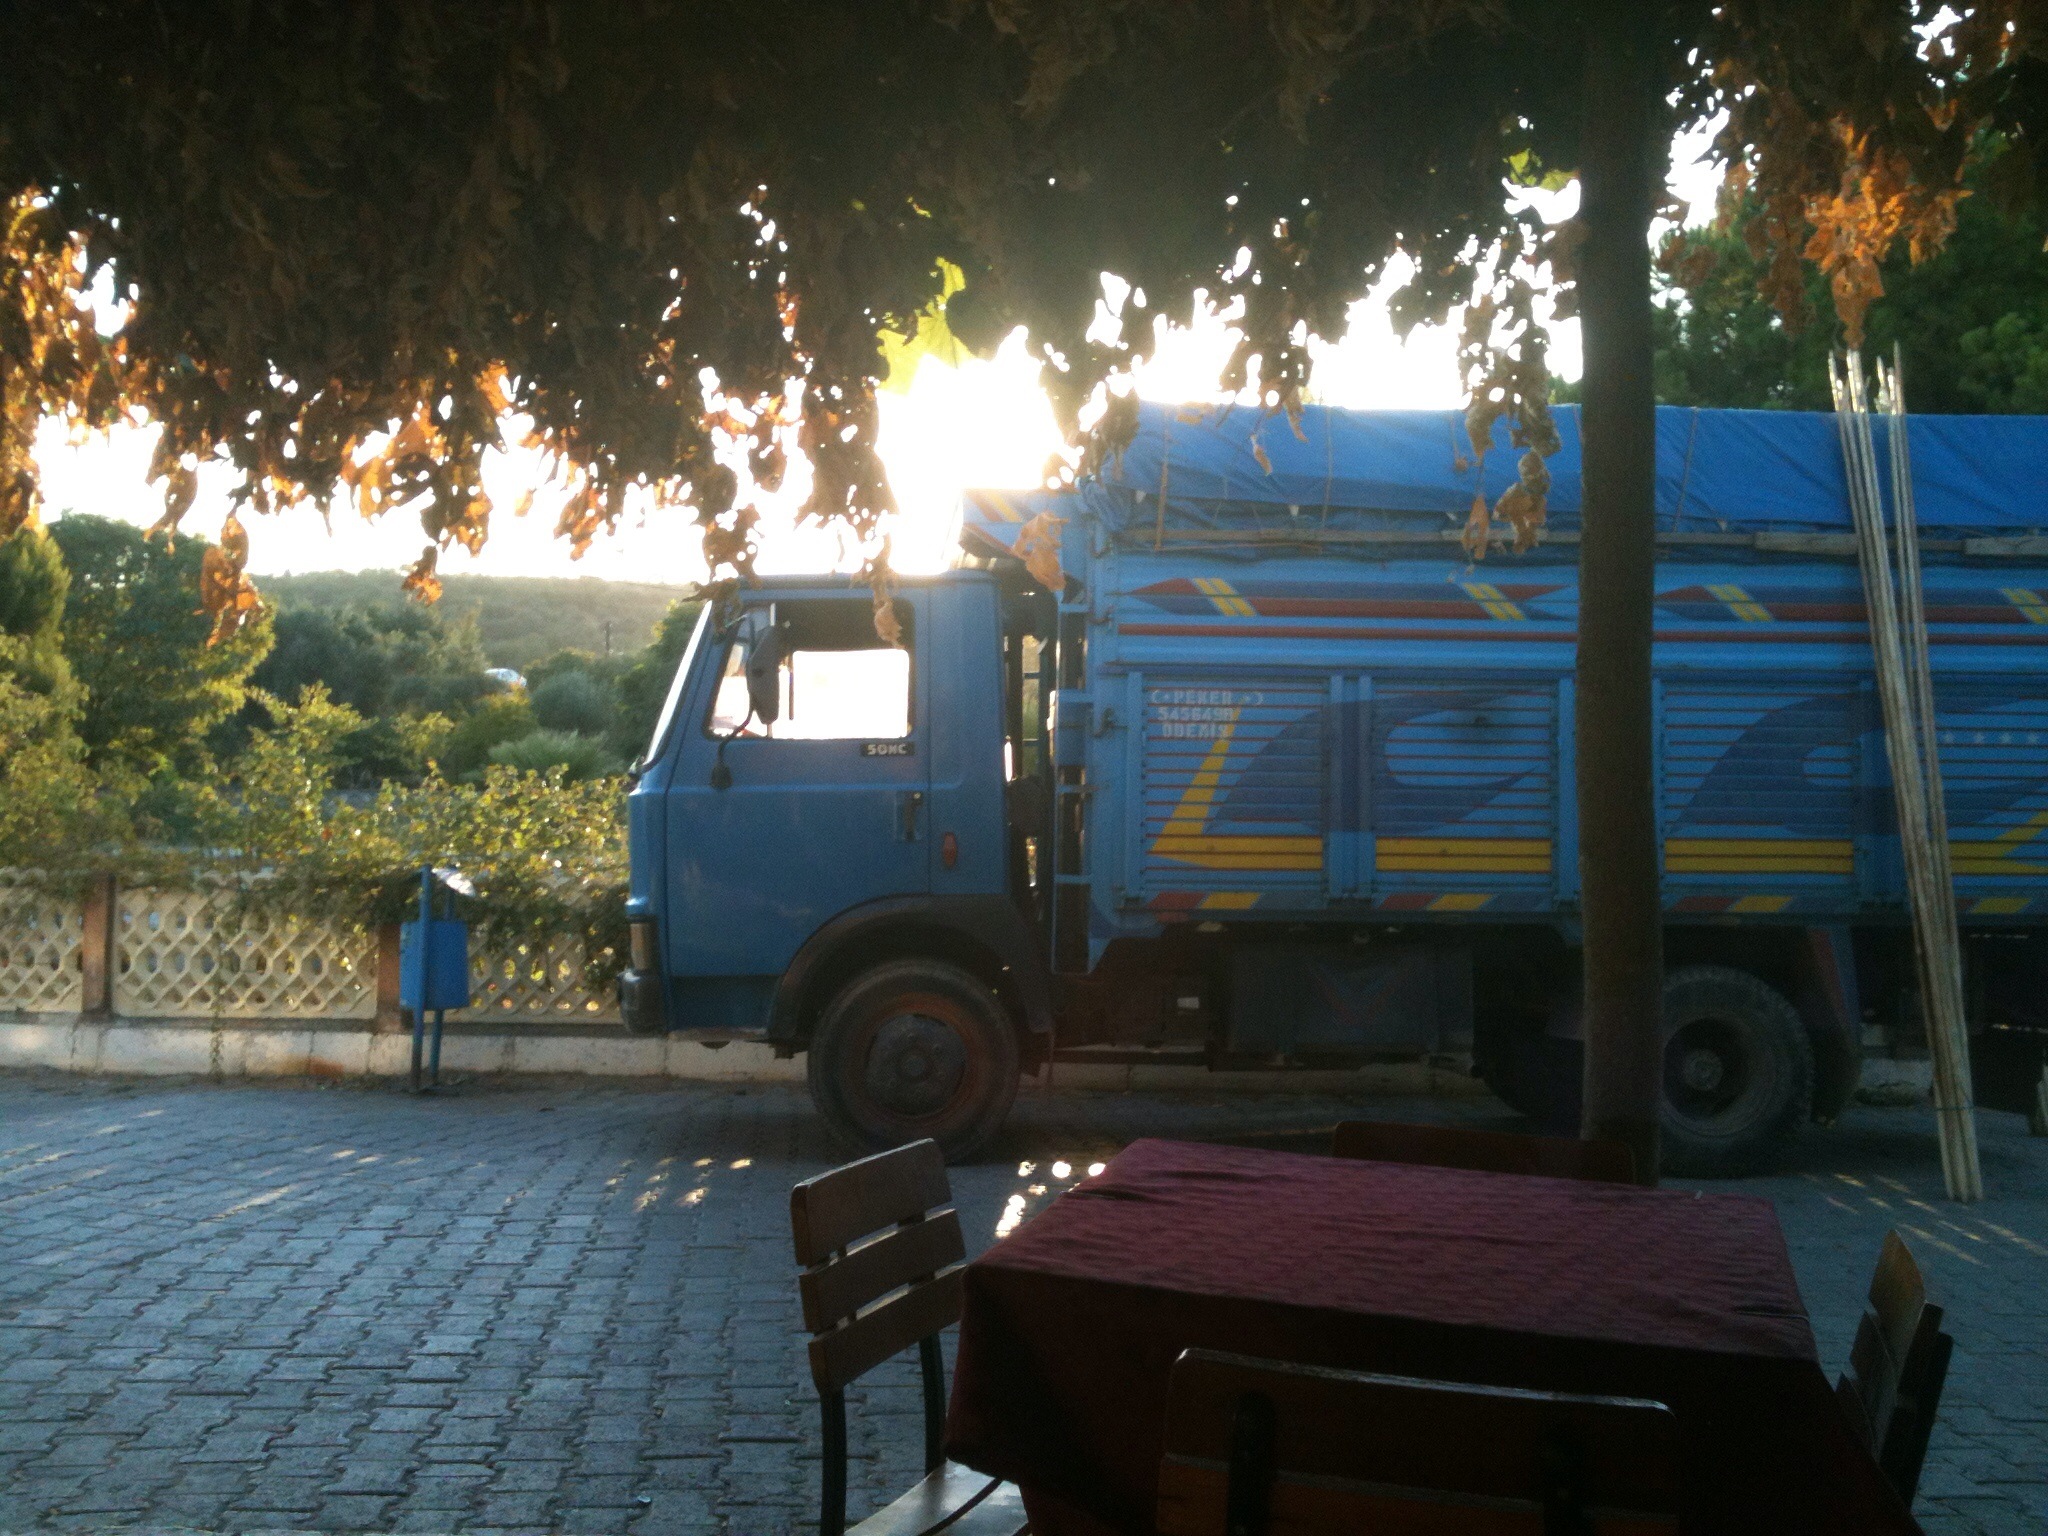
point(505, 677)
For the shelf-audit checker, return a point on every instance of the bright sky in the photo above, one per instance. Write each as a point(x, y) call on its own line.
point(981, 424)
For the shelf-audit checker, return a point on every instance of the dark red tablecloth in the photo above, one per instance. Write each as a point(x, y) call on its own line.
point(1073, 1321)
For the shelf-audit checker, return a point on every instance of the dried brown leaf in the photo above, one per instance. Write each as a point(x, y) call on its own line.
point(1038, 546)
point(422, 584)
point(1478, 527)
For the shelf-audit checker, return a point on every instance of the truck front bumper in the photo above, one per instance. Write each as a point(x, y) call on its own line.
point(641, 1004)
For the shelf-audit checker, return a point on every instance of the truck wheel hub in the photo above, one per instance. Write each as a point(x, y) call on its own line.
point(1703, 1070)
point(915, 1065)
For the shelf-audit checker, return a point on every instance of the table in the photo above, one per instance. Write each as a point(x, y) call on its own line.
point(1072, 1323)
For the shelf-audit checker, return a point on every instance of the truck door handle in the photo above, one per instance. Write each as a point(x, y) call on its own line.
point(908, 804)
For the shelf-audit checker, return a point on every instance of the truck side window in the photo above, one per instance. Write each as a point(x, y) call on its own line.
point(838, 680)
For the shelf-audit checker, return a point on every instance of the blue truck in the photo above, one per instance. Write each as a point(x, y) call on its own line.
point(1233, 753)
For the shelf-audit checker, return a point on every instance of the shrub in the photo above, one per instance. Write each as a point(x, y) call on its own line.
point(578, 757)
point(498, 719)
point(574, 701)
point(547, 854)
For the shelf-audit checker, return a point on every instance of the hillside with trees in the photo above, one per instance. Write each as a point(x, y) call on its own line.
point(123, 713)
point(518, 619)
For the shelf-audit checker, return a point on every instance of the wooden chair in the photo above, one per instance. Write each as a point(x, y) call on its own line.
point(881, 1257)
point(1897, 1368)
point(1441, 1146)
point(1260, 1448)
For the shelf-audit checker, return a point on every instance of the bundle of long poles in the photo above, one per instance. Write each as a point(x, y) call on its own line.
point(1905, 686)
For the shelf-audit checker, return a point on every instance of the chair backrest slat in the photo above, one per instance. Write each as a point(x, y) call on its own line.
point(1903, 1448)
point(835, 1209)
point(1352, 1451)
point(1441, 1146)
point(839, 1288)
point(1897, 1295)
point(1872, 1377)
point(845, 1354)
point(1885, 1336)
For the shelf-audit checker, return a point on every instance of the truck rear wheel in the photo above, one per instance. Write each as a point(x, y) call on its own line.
point(914, 1049)
point(1738, 1071)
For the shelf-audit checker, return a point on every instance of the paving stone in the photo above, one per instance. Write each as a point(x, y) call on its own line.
point(364, 1476)
point(492, 1327)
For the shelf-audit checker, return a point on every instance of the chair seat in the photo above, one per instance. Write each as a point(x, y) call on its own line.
point(955, 1501)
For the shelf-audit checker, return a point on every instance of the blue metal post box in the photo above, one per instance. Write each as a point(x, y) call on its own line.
point(434, 975)
point(433, 967)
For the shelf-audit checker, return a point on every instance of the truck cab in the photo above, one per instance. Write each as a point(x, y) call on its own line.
point(822, 851)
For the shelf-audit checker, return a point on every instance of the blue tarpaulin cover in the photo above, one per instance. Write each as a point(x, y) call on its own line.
point(1739, 470)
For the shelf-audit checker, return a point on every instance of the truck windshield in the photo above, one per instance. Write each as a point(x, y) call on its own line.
point(676, 684)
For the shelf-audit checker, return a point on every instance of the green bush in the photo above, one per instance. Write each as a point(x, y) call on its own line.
point(574, 701)
point(546, 853)
point(501, 718)
point(578, 757)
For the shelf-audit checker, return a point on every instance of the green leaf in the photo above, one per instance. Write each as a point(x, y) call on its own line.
point(1525, 170)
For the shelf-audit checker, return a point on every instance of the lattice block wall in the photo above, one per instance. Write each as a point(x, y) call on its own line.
point(41, 938)
point(198, 954)
point(533, 982)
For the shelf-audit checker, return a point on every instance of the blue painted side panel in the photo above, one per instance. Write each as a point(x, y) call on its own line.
point(961, 665)
point(1464, 785)
point(1233, 783)
point(1761, 781)
point(1344, 734)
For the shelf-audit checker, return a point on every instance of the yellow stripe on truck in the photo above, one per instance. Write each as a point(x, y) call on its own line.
point(1758, 856)
point(1463, 855)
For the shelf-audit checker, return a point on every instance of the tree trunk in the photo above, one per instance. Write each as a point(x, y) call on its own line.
point(1622, 156)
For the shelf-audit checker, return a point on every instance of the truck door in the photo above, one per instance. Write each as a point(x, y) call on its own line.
point(775, 826)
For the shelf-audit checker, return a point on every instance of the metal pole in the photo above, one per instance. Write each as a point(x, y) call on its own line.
point(832, 1500)
point(425, 952)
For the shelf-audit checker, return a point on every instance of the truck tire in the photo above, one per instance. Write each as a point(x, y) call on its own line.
point(914, 1049)
point(1738, 1071)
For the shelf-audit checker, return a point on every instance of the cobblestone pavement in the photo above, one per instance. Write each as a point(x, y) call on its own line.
point(571, 1307)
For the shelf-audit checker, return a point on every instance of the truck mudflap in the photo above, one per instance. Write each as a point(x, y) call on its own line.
point(933, 925)
point(641, 1005)
point(1831, 1008)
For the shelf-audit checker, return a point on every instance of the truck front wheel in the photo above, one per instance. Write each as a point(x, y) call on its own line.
point(914, 1049)
point(1738, 1071)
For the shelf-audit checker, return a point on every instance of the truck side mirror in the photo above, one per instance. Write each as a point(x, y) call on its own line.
point(764, 685)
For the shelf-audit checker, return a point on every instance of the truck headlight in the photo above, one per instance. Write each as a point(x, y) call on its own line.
point(640, 945)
